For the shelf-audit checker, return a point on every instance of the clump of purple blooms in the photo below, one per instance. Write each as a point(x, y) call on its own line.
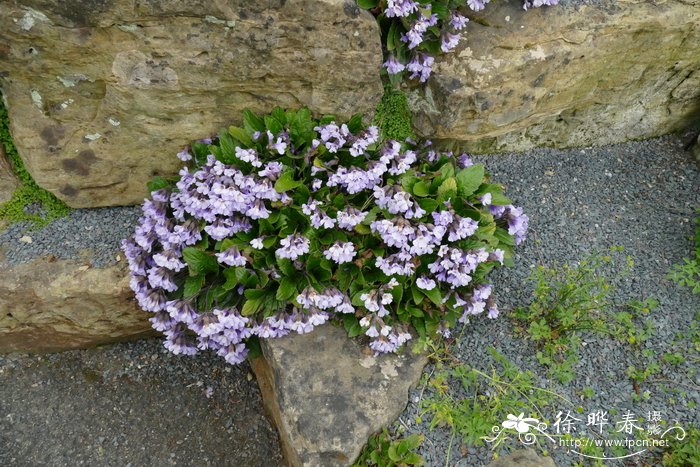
point(276, 228)
point(418, 31)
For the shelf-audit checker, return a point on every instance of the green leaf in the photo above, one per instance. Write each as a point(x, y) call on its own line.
point(287, 289)
point(351, 325)
point(192, 286)
point(251, 306)
point(355, 124)
point(447, 190)
point(252, 122)
point(255, 294)
point(286, 266)
point(421, 189)
point(433, 295)
point(367, 4)
point(157, 183)
point(241, 135)
point(301, 128)
point(286, 182)
point(276, 120)
point(391, 36)
point(428, 204)
point(234, 277)
point(228, 147)
point(199, 262)
point(469, 179)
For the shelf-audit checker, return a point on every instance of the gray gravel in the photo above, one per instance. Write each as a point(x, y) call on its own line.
point(641, 195)
point(131, 404)
point(86, 234)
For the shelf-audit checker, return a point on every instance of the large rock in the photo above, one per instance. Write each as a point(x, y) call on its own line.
point(50, 305)
point(523, 458)
point(327, 395)
point(8, 181)
point(102, 95)
point(600, 73)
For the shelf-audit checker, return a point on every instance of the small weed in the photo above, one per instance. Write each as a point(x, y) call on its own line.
point(470, 401)
point(570, 300)
point(688, 273)
point(384, 451)
point(685, 452)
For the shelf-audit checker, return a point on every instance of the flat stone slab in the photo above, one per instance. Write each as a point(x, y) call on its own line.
point(49, 305)
point(327, 394)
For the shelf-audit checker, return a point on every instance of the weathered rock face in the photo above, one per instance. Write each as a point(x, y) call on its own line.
point(47, 306)
point(102, 95)
point(327, 396)
point(559, 76)
point(8, 181)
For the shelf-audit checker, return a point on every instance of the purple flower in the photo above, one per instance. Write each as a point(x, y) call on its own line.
point(169, 259)
point(179, 344)
point(181, 311)
point(420, 67)
point(477, 5)
point(340, 252)
point(231, 257)
point(393, 66)
point(233, 353)
point(349, 217)
point(425, 283)
point(248, 155)
point(161, 277)
point(272, 170)
point(449, 42)
point(458, 21)
point(400, 8)
point(333, 136)
point(184, 155)
point(279, 144)
point(257, 243)
point(293, 246)
point(485, 199)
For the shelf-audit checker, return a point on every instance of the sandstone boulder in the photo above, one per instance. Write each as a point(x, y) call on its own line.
point(327, 395)
point(102, 95)
point(595, 74)
point(50, 305)
point(523, 458)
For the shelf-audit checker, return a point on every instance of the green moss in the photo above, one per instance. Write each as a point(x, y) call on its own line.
point(393, 116)
point(29, 192)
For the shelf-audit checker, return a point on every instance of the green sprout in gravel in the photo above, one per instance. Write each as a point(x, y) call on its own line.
point(571, 300)
point(688, 273)
point(468, 400)
point(29, 193)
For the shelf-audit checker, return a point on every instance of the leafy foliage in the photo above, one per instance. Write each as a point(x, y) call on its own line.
point(279, 223)
point(384, 451)
point(28, 193)
point(684, 452)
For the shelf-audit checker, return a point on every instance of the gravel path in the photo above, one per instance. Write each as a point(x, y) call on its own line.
point(131, 404)
point(641, 195)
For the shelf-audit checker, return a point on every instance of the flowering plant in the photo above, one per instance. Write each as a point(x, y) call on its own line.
point(288, 222)
point(415, 31)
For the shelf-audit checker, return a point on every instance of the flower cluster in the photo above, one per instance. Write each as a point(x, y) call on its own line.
point(289, 222)
point(418, 31)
